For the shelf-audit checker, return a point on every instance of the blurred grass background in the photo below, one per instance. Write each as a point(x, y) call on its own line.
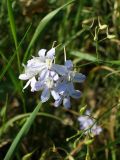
point(96, 56)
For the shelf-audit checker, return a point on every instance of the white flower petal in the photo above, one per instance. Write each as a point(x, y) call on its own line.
point(55, 95)
point(58, 102)
point(43, 75)
point(27, 84)
point(52, 73)
point(32, 71)
point(31, 62)
point(56, 77)
point(36, 63)
point(33, 82)
point(45, 95)
point(41, 52)
point(51, 53)
point(24, 76)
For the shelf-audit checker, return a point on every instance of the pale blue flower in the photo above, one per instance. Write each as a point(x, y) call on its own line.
point(88, 124)
point(41, 67)
point(66, 90)
point(48, 64)
point(73, 76)
point(52, 79)
point(46, 83)
point(65, 86)
point(33, 68)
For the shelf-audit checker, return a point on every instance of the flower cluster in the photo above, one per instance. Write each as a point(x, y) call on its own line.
point(88, 124)
point(52, 79)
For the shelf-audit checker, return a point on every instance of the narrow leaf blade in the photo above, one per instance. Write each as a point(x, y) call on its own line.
point(84, 56)
point(12, 22)
point(24, 130)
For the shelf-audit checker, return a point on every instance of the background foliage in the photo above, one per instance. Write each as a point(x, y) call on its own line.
point(96, 55)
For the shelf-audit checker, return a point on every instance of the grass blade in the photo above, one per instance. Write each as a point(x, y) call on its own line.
point(40, 28)
point(7, 66)
point(84, 56)
point(24, 130)
point(92, 58)
point(12, 22)
point(12, 76)
point(13, 29)
point(114, 62)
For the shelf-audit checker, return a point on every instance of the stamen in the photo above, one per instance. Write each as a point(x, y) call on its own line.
point(64, 54)
point(53, 44)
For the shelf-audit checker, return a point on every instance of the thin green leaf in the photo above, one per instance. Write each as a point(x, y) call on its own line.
point(11, 73)
point(28, 156)
point(84, 56)
point(41, 26)
point(7, 66)
point(13, 29)
point(3, 111)
point(117, 62)
point(12, 22)
point(89, 57)
point(24, 130)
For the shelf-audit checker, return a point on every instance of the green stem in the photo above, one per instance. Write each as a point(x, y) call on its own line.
point(113, 153)
point(88, 153)
point(97, 51)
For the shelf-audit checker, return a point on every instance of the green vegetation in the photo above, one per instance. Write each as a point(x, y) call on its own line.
point(89, 30)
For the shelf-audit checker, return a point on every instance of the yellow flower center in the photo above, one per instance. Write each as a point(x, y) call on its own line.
point(49, 63)
point(49, 83)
